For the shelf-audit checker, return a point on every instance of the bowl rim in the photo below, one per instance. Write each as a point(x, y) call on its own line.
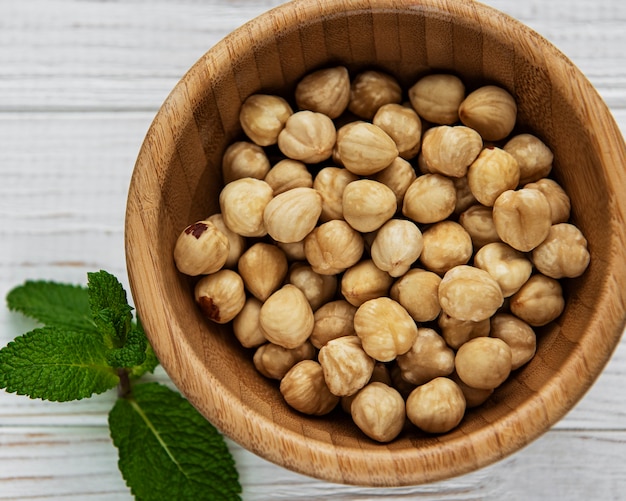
point(309, 455)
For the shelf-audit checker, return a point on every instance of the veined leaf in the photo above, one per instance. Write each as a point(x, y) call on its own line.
point(150, 361)
point(167, 450)
point(109, 306)
point(55, 364)
point(51, 303)
point(132, 354)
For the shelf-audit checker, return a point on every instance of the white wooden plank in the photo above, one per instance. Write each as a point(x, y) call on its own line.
point(66, 463)
point(561, 465)
point(128, 55)
point(106, 55)
point(64, 169)
point(63, 193)
point(79, 463)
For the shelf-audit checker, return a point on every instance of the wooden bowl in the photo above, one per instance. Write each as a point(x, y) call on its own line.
point(177, 179)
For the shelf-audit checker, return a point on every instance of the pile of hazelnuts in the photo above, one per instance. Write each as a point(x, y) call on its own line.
point(390, 251)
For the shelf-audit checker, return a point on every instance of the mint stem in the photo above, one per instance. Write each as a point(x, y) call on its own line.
point(123, 389)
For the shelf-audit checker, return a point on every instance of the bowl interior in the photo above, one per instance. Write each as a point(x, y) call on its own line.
point(177, 180)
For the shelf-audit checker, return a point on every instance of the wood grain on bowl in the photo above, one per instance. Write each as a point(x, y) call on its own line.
point(177, 179)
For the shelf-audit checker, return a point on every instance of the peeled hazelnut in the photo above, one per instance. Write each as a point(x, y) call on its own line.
point(318, 289)
point(242, 203)
point(304, 389)
point(347, 368)
point(468, 293)
point(200, 249)
point(458, 332)
point(246, 324)
point(430, 198)
point(364, 148)
point(417, 291)
point(522, 218)
point(437, 98)
point(484, 362)
point(403, 125)
point(428, 358)
point(336, 159)
point(379, 412)
point(364, 281)
point(332, 320)
point(398, 176)
point(292, 215)
point(244, 159)
point(509, 267)
point(346, 402)
point(370, 90)
point(533, 157)
point(491, 110)
point(518, 335)
point(477, 220)
point(450, 150)
point(333, 247)
point(558, 200)
point(286, 317)
point(308, 136)
point(421, 165)
point(386, 329)
point(352, 266)
point(294, 251)
point(263, 116)
point(274, 361)
point(236, 243)
point(491, 174)
point(368, 204)
point(288, 174)
point(539, 301)
point(368, 238)
point(262, 267)
point(563, 254)
point(381, 374)
point(221, 295)
point(397, 245)
point(464, 196)
point(437, 406)
point(330, 183)
point(398, 382)
point(445, 245)
point(473, 396)
point(325, 91)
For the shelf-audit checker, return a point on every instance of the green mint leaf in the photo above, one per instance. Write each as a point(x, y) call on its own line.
point(132, 353)
point(167, 450)
point(63, 305)
point(150, 361)
point(109, 306)
point(54, 364)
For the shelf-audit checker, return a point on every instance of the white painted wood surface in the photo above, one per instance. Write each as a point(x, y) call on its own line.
point(80, 81)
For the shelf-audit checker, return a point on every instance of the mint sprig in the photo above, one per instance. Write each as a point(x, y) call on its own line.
point(189, 457)
point(109, 307)
point(89, 343)
point(63, 305)
point(54, 364)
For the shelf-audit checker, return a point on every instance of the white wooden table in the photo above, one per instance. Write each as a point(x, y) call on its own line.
point(80, 81)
